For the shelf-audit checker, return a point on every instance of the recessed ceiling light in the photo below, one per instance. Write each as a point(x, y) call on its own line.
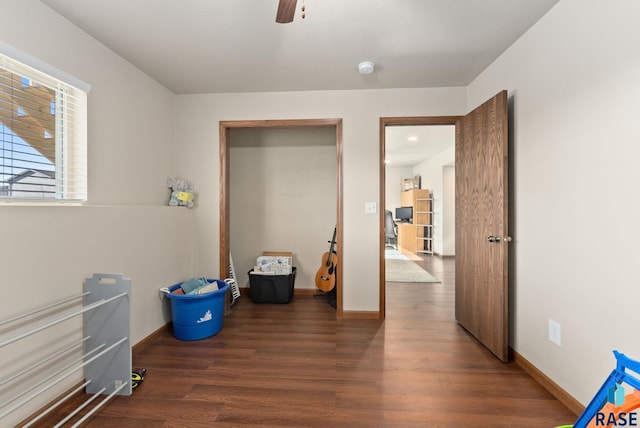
point(412, 138)
point(387, 161)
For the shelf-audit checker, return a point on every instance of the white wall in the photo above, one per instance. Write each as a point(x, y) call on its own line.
point(197, 124)
point(46, 252)
point(282, 197)
point(449, 210)
point(130, 115)
point(432, 179)
point(393, 180)
point(574, 83)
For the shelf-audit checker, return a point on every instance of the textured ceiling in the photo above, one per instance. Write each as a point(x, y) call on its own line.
point(213, 46)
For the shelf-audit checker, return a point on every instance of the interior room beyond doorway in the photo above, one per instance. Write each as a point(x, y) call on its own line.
point(422, 158)
point(423, 149)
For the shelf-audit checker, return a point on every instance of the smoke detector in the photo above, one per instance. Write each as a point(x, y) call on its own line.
point(366, 67)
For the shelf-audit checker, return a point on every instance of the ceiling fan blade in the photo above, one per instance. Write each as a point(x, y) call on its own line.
point(286, 11)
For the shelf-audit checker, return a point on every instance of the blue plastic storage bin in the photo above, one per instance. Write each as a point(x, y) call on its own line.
point(197, 316)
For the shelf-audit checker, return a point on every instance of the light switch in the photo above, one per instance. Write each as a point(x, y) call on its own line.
point(370, 207)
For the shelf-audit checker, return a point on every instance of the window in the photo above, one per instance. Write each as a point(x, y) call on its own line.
point(43, 135)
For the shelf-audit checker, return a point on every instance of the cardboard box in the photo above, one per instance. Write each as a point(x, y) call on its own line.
point(274, 263)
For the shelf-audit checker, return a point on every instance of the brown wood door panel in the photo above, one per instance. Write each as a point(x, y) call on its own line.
point(481, 211)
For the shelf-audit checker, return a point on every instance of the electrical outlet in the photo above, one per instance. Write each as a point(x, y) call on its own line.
point(555, 334)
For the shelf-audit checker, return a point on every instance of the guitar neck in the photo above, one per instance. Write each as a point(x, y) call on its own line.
point(331, 250)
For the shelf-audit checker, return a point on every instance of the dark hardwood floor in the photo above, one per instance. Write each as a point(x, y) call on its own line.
point(295, 365)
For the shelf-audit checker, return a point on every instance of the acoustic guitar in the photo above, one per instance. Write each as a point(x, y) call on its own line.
point(326, 275)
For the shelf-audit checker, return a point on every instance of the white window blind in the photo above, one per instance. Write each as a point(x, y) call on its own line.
point(43, 136)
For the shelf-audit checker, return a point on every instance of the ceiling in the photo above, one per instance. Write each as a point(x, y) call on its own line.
point(408, 146)
point(215, 46)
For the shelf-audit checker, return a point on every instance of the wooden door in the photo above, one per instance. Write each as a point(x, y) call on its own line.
point(481, 224)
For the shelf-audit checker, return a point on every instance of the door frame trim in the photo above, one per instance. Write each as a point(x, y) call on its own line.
point(225, 128)
point(396, 121)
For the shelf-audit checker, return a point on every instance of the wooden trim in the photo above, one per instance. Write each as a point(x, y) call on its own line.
point(554, 389)
point(419, 120)
point(382, 290)
point(361, 315)
point(305, 292)
point(47, 419)
point(279, 123)
point(143, 343)
point(339, 217)
point(396, 121)
point(223, 215)
point(225, 127)
point(224, 199)
point(246, 291)
point(135, 349)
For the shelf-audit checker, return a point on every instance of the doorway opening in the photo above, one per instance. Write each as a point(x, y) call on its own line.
point(392, 131)
point(226, 128)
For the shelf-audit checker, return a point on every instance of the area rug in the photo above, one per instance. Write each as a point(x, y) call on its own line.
point(398, 270)
point(390, 253)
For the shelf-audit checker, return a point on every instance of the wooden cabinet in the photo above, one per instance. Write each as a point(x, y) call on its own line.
point(407, 237)
point(417, 237)
point(407, 198)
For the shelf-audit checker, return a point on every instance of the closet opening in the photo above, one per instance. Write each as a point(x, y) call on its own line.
point(281, 190)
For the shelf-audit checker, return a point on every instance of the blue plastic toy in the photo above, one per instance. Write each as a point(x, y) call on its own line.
point(610, 407)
